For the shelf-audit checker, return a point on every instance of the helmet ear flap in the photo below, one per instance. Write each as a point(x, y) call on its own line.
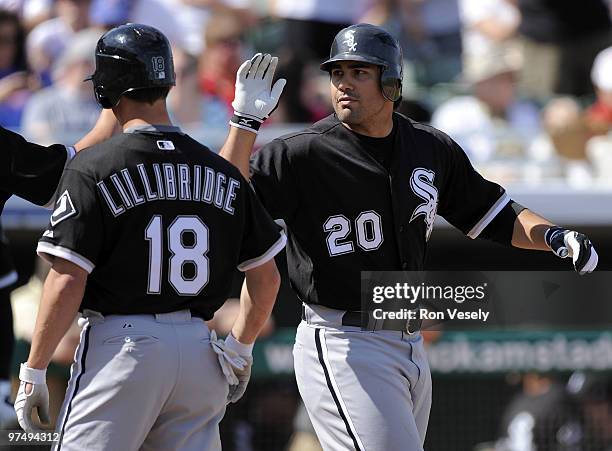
point(391, 84)
point(103, 100)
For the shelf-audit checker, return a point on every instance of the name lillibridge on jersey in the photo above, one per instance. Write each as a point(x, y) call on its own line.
point(168, 181)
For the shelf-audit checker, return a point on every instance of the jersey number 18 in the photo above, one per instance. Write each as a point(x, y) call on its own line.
point(180, 254)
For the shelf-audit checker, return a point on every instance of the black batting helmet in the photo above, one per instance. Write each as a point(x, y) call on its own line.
point(370, 44)
point(128, 58)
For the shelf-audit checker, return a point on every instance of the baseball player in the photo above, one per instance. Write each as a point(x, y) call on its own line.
point(360, 190)
point(147, 230)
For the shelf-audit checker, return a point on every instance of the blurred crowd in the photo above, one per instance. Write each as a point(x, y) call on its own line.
point(525, 86)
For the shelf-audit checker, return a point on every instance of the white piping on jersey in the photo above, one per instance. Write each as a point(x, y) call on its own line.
point(168, 181)
point(8, 279)
point(44, 250)
point(283, 224)
point(489, 216)
point(266, 256)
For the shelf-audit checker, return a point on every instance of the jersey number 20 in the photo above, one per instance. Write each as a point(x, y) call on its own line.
point(180, 253)
point(367, 225)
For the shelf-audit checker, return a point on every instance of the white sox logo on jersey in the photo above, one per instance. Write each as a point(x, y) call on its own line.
point(349, 40)
point(63, 210)
point(422, 184)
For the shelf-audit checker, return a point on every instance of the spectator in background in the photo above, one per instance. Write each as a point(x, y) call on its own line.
point(66, 110)
point(489, 27)
point(492, 122)
point(598, 119)
point(308, 28)
point(30, 12)
point(599, 115)
point(593, 392)
point(185, 102)
point(559, 42)
point(108, 14)
point(429, 32)
point(47, 41)
point(183, 21)
point(542, 417)
point(14, 79)
point(217, 67)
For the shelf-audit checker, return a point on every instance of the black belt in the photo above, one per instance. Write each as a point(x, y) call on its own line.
point(353, 318)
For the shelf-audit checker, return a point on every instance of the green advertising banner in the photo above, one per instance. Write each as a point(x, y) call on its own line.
point(476, 352)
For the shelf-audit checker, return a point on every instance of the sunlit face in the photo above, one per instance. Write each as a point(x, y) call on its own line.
point(497, 91)
point(605, 97)
point(355, 92)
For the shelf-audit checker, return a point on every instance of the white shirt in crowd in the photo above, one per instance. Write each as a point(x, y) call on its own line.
point(473, 11)
point(332, 11)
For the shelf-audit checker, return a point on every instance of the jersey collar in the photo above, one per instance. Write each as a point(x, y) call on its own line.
point(142, 128)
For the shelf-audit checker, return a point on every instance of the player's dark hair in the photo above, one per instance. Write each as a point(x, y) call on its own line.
point(148, 95)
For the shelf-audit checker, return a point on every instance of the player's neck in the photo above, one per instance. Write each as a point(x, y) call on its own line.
point(131, 114)
point(374, 129)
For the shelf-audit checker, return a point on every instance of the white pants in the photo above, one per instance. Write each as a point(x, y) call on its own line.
point(143, 382)
point(363, 390)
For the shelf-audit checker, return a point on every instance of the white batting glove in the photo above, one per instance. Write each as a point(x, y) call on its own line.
point(236, 368)
point(255, 98)
point(37, 398)
point(242, 374)
point(568, 243)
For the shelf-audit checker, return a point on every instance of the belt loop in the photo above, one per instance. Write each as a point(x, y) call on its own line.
point(179, 316)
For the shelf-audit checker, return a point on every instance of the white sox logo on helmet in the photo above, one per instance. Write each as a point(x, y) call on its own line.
point(422, 184)
point(350, 40)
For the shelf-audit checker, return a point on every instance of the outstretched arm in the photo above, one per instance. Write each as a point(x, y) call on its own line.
point(532, 231)
point(105, 127)
point(254, 100)
point(529, 230)
point(237, 149)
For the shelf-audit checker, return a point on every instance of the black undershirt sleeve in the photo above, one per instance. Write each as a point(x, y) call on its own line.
point(501, 228)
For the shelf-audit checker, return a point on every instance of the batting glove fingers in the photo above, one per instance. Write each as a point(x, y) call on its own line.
point(37, 397)
point(244, 375)
point(229, 360)
point(568, 243)
point(255, 98)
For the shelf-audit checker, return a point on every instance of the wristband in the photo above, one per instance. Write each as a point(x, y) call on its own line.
point(552, 233)
point(32, 375)
point(241, 349)
point(248, 123)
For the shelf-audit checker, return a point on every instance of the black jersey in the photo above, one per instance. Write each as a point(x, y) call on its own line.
point(29, 170)
point(160, 222)
point(8, 275)
point(549, 420)
point(346, 213)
